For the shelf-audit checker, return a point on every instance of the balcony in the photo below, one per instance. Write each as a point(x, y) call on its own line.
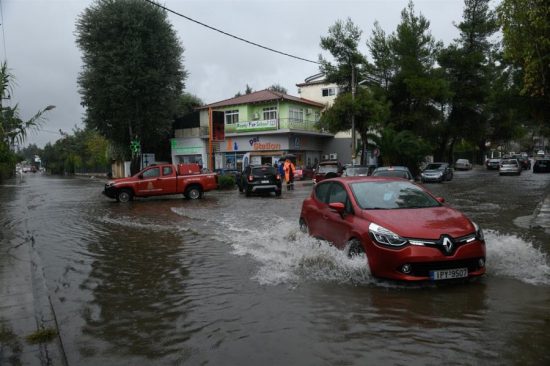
point(286, 124)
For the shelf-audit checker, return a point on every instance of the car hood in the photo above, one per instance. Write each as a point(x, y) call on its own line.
point(422, 223)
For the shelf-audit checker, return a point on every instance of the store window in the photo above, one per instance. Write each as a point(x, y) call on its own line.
point(270, 113)
point(231, 117)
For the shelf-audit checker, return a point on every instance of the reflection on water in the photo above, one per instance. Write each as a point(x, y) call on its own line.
point(138, 284)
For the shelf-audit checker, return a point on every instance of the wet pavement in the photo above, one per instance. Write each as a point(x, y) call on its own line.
point(231, 280)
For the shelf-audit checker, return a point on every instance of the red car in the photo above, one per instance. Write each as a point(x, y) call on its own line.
point(405, 232)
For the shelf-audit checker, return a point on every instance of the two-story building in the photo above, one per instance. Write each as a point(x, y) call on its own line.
point(268, 123)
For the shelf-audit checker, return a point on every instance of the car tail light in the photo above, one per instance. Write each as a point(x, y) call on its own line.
point(278, 177)
point(250, 178)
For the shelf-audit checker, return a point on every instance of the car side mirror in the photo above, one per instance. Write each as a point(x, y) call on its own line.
point(338, 207)
point(440, 199)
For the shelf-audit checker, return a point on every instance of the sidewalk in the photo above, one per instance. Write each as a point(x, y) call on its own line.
point(541, 216)
point(24, 307)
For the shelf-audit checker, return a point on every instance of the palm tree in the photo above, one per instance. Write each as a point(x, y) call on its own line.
point(13, 130)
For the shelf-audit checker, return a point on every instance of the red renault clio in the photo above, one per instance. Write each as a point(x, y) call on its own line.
point(405, 232)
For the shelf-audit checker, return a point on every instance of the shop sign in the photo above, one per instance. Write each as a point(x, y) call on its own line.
point(253, 126)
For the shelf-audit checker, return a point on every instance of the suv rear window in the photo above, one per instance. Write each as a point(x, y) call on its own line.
point(328, 168)
point(262, 170)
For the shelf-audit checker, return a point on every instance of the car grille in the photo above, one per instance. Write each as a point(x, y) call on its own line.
point(423, 269)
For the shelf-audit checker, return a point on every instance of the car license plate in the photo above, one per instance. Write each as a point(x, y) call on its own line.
point(265, 181)
point(447, 274)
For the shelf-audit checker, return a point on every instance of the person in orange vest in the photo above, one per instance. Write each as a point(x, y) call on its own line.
point(289, 169)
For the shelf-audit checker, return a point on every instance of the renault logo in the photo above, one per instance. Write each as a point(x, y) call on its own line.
point(447, 244)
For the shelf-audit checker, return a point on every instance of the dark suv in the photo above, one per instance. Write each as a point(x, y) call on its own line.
point(260, 179)
point(327, 169)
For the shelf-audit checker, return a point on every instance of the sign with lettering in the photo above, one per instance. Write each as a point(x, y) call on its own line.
point(252, 126)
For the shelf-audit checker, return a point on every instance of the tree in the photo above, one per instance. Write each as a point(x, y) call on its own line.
point(468, 64)
point(133, 75)
point(416, 87)
point(342, 42)
point(369, 111)
point(278, 88)
point(248, 90)
point(526, 37)
point(13, 130)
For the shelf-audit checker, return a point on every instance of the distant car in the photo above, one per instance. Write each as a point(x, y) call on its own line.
point(260, 179)
point(510, 167)
point(492, 163)
point(523, 160)
point(393, 171)
point(463, 164)
point(356, 171)
point(540, 153)
point(327, 169)
point(398, 228)
point(298, 173)
point(436, 172)
point(541, 166)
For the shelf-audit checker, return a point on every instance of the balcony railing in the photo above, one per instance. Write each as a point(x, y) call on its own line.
point(281, 124)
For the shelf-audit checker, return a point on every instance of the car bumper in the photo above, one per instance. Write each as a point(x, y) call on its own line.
point(110, 192)
point(264, 188)
point(389, 263)
point(431, 178)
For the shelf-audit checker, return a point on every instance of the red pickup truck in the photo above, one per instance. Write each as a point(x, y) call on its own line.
point(163, 179)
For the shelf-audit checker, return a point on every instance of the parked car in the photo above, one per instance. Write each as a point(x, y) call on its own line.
point(492, 163)
point(463, 164)
point(356, 171)
point(260, 179)
point(401, 229)
point(162, 179)
point(298, 173)
point(523, 160)
point(327, 169)
point(541, 165)
point(510, 167)
point(436, 172)
point(393, 171)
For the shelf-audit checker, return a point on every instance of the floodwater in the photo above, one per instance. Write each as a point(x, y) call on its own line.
point(230, 280)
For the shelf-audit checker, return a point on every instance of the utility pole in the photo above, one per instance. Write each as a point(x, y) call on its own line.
point(353, 114)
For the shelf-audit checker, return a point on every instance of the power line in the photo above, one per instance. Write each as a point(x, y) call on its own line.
point(229, 34)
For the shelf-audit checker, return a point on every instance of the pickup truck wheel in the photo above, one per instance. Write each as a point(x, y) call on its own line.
point(193, 193)
point(124, 195)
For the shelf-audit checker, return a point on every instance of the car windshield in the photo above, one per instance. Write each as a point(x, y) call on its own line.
point(328, 168)
point(462, 161)
point(434, 167)
point(391, 173)
point(391, 195)
point(263, 170)
point(357, 171)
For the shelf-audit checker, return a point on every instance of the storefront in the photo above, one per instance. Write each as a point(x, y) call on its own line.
point(188, 150)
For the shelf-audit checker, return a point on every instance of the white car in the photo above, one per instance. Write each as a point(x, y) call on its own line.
point(463, 164)
point(510, 166)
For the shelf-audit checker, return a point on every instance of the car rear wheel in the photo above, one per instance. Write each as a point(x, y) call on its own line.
point(248, 192)
point(355, 248)
point(278, 193)
point(124, 195)
point(193, 193)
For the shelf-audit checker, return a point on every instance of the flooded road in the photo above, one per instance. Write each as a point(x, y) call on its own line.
point(230, 280)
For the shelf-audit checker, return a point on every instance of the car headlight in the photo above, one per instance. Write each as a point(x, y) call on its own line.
point(385, 236)
point(479, 232)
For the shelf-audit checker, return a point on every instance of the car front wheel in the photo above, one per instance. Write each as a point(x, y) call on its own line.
point(355, 248)
point(193, 193)
point(124, 195)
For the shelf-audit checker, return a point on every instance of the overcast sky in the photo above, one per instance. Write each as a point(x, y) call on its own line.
point(38, 41)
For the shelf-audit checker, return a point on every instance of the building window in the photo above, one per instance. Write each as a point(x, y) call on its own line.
point(296, 115)
point(231, 117)
point(328, 92)
point(270, 113)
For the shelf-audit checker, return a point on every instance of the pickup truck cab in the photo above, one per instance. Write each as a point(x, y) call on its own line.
point(162, 179)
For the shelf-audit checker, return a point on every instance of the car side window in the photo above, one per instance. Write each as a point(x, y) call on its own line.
point(338, 194)
point(151, 173)
point(321, 191)
point(167, 170)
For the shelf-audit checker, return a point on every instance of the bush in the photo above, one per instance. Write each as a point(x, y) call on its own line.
point(226, 181)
